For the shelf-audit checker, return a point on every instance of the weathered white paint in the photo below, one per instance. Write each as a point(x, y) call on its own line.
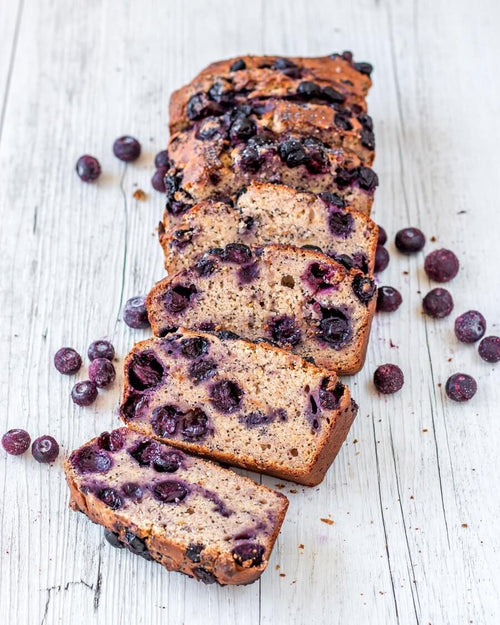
point(73, 77)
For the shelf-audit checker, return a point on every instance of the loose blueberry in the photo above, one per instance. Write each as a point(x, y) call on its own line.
point(330, 399)
point(162, 160)
point(308, 90)
point(45, 449)
point(111, 441)
point(158, 179)
point(102, 372)
point(135, 314)
point(110, 497)
point(441, 265)
point(364, 288)
point(461, 387)
point(84, 393)
point(382, 259)
point(194, 424)
point(133, 491)
point(101, 349)
point(382, 236)
point(226, 396)
point(438, 303)
point(341, 223)
point(202, 370)
point(16, 442)
point(165, 420)
point(88, 168)
point(91, 460)
point(67, 360)
point(470, 326)
point(284, 331)
point(193, 552)
point(237, 253)
point(194, 347)
point(145, 370)
point(113, 539)
point(388, 299)
point(251, 553)
point(177, 298)
point(238, 66)
point(292, 153)
point(169, 491)
point(410, 240)
point(334, 328)
point(489, 349)
point(127, 148)
point(388, 379)
point(204, 575)
point(333, 96)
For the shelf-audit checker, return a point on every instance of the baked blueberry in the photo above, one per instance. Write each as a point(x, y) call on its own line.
point(201, 370)
point(292, 153)
point(145, 370)
point(461, 387)
point(334, 328)
point(133, 491)
point(330, 399)
point(204, 575)
point(169, 491)
point(158, 179)
point(470, 326)
point(256, 419)
point(332, 95)
point(489, 349)
point(364, 288)
point(382, 236)
point(388, 379)
point(162, 160)
point(363, 68)
point(90, 460)
point(101, 349)
point(194, 347)
point(84, 393)
point(194, 424)
point(249, 554)
point(113, 539)
point(368, 139)
point(382, 259)
point(137, 545)
point(308, 90)
point(111, 441)
point(127, 148)
point(238, 66)
point(177, 298)
point(16, 442)
point(237, 253)
point(438, 303)
point(342, 121)
point(410, 240)
point(226, 396)
point(167, 461)
point(135, 314)
point(367, 178)
point(284, 330)
point(110, 497)
point(242, 129)
point(341, 223)
point(102, 372)
point(67, 360)
point(45, 449)
point(88, 168)
point(145, 452)
point(388, 299)
point(251, 159)
point(165, 420)
point(193, 552)
point(287, 67)
point(441, 265)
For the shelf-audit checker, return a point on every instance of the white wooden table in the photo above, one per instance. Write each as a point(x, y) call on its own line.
point(414, 492)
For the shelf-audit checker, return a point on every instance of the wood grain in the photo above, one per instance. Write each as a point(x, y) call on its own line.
point(413, 494)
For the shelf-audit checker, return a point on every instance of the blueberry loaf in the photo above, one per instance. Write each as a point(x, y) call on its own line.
point(229, 399)
point(271, 213)
point(299, 299)
point(188, 514)
point(336, 81)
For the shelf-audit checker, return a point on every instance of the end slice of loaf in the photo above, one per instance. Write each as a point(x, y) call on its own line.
point(267, 213)
point(301, 300)
point(250, 405)
point(188, 514)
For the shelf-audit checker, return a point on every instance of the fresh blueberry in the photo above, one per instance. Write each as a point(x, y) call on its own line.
point(382, 236)
point(145, 370)
point(169, 491)
point(242, 129)
point(16, 442)
point(162, 160)
point(194, 347)
point(135, 314)
point(113, 539)
point(334, 328)
point(133, 491)
point(127, 148)
point(438, 303)
point(388, 299)
point(88, 168)
point(238, 66)
point(165, 420)
point(441, 265)
point(111, 441)
point(461, 387)
point(341, 223)
point(91, 460)
point(193, 552)
point(102, 372)
point(388, 379)
point(331, 95)
point(284, 330)
point(489, 349)
point(292, 153)
point(470, 326)
point(110, 497)
point(84, 393)
point(194, 424)
point(382, 259)
point(45, 449)
point(177, 298)
point(330, 399)
point(158, 179)
point(308, 90)
point(410, 240)
point(237, 253)
point(202, 370)
point(101, 349)
point(204, 575)
point(67, 360)
point(251, 553)
point(226, 396)
point(364, 288)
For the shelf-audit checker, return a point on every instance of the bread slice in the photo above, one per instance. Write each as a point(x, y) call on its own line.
point(188, 514)
point(302, 300)
point(272, 213)
point(245, 404)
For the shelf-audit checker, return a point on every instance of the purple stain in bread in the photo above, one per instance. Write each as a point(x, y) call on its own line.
point(248, 273)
